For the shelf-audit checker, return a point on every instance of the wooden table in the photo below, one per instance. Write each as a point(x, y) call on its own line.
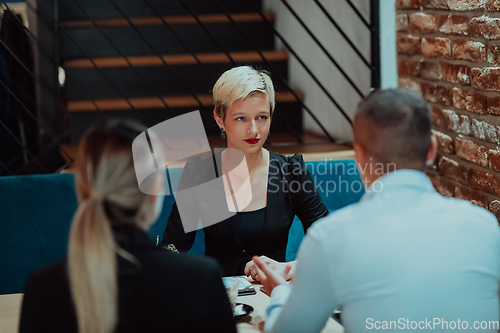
point(10, 310)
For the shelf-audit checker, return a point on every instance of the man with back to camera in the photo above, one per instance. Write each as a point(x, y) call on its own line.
point(404, 257)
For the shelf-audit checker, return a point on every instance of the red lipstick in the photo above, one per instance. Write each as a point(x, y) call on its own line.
point(252, 141)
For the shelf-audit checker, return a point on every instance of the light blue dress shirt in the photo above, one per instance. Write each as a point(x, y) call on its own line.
point(403, 258)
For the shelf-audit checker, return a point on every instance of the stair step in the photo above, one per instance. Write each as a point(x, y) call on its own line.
point(157, 103)
point(328, 152)
point(287, 115)
point(152, 38)
point(149, 76)
point(98, 8)
point(175, 59)
point(312, 150)
point(170, 20)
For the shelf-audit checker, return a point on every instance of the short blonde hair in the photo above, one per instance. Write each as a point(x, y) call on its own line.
point(241, 82)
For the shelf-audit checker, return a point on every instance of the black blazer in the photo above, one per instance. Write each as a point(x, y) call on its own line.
point(291, 191)
point(169, 292)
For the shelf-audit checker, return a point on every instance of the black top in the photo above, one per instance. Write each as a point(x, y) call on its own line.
point(167, 292)
point(247, 225)
point(290, 191)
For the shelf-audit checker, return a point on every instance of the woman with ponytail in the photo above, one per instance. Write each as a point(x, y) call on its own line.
point(114, 279)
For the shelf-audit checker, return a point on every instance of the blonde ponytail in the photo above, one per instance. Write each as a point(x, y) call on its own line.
point(93, 269)
point(109, 196)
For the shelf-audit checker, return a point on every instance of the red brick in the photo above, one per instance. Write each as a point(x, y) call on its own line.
point(407, 4)
point(493, 5)
point(454, 73)
point(494, 208)
point(450, 120)
point(468, 50)
point(442, 185)
point(456, 123)
point(429, 71)
point(484, 131)
point(436, 4)
point(469, 100)
point(409, 84)
point(464, 125)
point(494, 159)
point(435, 47)
point(475, 197)
point(451, 168)
point(485, 181)
point(494, 106)
point(401, 22)
point(422, 23)
point(453, 24)
point(487, 78)
point(437, 116)
point(470, 151)
point(464, 5)
point(408, 67)
point(486, 27)
point(445, 142)
point(494, 54)
point(436, 93)
point(407, 44)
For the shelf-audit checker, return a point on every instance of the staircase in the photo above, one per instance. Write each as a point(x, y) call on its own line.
point(154, 60)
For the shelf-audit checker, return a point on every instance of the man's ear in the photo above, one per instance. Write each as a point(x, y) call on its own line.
point(359, 153)
point(362, 159)
point(218, 120)
point(432, 152)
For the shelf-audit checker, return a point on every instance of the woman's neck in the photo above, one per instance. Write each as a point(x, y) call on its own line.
point(253, 160)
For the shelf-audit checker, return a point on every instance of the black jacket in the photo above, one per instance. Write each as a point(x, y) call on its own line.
point(291, 191)
point(169, 292)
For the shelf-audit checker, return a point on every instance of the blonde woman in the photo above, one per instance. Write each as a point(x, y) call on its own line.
point(281, 186)
point(114, 279)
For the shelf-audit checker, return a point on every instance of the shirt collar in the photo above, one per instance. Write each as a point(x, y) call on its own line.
point(406, 178)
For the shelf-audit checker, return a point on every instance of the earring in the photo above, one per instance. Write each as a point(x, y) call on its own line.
point(222, 133)
point(269, 133)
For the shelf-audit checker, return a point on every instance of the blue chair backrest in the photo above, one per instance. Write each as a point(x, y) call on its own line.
point(338, 183)
point(36, 215)
point(35, 218)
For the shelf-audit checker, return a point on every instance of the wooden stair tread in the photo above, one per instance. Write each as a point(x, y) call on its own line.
point(170, 20)
point(175, 59)
point(326, 151)
point(323, 150)
point(157, 103)
point(287, 137)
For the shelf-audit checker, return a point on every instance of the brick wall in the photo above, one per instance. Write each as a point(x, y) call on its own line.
point(449, 52)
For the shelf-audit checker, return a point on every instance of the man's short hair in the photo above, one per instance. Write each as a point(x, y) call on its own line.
point(394, 126)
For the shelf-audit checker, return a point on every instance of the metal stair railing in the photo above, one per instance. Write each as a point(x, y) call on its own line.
point(52, 15)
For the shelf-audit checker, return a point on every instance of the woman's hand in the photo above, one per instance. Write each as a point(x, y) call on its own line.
point(278, 267)
point(269, 277)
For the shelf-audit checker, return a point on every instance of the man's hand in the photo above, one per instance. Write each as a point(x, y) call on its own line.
point(268, 276)
point(279, 267)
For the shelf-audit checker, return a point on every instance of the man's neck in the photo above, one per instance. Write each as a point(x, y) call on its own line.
point(369, 179)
